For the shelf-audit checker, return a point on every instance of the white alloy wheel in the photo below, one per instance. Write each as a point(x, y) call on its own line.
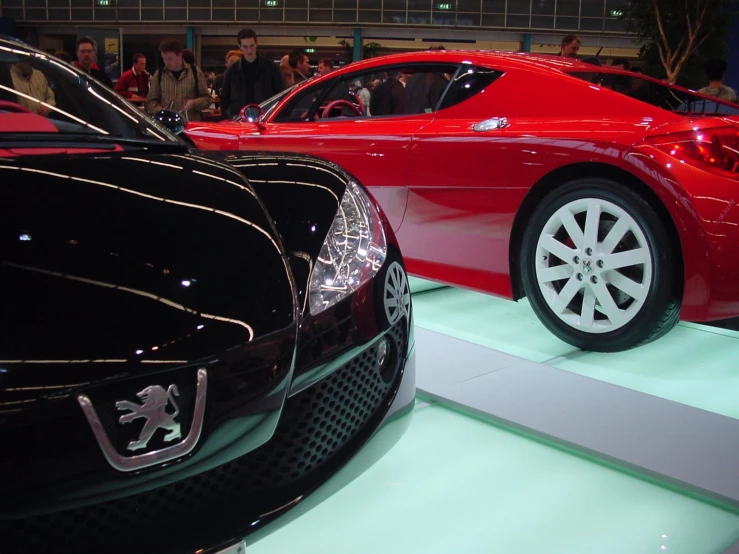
point(397, 295)
point(593, 265)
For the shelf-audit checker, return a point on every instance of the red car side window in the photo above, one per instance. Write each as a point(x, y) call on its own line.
point(304, 105)
point(467, 83)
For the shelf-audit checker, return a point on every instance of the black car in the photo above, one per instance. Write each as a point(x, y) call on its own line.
point(190, 343)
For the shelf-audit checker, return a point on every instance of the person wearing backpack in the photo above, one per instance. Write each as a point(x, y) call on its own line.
point(178, 85)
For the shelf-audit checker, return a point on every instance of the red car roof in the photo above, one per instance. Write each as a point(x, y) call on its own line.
point(499, 58)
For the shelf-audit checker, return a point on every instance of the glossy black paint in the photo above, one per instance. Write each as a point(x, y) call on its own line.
point(230, 501)
point(128, 261)
point(171, 119)
point(314, 191)
point(302, 195)
point(96, 255)
point(242, 413)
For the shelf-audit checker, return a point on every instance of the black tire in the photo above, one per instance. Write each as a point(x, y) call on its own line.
point(588, 320)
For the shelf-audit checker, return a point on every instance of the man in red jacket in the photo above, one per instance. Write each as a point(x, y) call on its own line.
point(135, 81)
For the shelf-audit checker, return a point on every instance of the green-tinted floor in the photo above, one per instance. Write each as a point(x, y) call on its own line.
point(694, 364)
point(454, 484)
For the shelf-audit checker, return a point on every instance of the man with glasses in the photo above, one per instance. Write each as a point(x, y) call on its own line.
point(86, 56)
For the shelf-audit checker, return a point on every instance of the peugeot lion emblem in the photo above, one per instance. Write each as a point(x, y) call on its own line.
point(154, 403)
point(155, 400)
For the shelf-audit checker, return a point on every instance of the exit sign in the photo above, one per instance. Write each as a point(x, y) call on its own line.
point(104, 3)
point(271, 3)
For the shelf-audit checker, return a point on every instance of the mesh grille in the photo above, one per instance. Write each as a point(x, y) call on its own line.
point(314, 426)
point(319, 421)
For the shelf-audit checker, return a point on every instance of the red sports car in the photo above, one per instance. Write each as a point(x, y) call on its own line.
point(607, 198)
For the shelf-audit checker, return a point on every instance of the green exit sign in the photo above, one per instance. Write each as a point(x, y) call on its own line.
point(443, 6)
point(271, 3)
point(310, 50)
point(616, 13)
point(104, 3)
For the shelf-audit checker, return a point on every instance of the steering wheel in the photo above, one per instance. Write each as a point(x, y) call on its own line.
point(13, 107)
point(339, 104)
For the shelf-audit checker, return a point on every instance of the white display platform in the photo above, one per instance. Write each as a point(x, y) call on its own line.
point(680, 445)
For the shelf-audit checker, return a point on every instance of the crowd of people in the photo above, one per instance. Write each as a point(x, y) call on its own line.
point(250, 78)
point(715, 69)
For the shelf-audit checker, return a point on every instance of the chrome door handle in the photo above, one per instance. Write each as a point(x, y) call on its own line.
point(490, 124)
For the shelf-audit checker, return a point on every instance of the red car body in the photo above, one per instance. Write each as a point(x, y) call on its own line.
point(459, 199)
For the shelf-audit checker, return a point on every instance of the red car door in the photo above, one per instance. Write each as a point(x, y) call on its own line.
point(463, 193)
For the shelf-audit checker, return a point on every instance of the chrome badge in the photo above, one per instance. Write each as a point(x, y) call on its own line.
point(155, 401)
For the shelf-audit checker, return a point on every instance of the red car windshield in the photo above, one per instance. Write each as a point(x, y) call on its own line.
point(656, 93)
point(269, 104)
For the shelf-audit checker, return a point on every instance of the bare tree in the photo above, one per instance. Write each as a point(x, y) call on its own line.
point(676, 29)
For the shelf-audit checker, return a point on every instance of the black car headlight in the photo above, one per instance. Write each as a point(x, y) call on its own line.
point(352, 253)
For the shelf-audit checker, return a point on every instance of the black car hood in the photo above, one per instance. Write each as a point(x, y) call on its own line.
point(302, 195)
point(114, 266)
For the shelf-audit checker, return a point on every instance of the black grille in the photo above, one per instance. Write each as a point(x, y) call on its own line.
point(314, 426)
point(319, 421)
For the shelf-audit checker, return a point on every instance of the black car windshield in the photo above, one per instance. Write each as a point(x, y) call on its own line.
point(66, 100)
point(657, 93)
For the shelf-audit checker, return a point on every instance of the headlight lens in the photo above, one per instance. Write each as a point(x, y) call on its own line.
point(353, 252)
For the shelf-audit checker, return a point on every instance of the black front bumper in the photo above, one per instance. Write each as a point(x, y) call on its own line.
point(320, 428)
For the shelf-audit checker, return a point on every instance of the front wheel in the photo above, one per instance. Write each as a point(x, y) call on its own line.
point(599, 268)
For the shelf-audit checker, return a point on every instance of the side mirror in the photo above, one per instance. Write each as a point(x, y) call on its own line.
point(252, 113)
point(171, 119)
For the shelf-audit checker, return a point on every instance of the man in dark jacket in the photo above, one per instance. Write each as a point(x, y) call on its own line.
point(86, 54)
point(250, 81)
point(380, 97)
point(300, 65)
point(423, 92)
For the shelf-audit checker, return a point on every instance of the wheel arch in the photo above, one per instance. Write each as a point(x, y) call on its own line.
point(567, 173)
